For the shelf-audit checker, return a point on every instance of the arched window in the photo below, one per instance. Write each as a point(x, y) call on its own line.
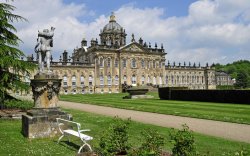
point(65, 81)
point(101, 81)
point(101, 62)
point(133, 63)
point(109, 62)
point(82, 80)
point(116, 62)
point(142, 64)
point(142, 79)
point(73, 79)
point(90, 80)
point(124, 63)
point(133, 80)
point(160, 64)
point(116, 80)
point(109, 80)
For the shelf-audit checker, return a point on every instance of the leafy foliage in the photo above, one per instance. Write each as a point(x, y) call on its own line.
point(115, 138)
point(184, 143)
point(242, 79)
point(24, 105)
point(235, 70)
point(152, 144)
point(12, 68)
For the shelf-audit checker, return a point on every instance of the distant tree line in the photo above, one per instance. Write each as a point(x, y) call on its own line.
point(240, 70)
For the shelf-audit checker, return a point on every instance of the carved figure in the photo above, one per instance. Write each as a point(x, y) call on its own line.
point(43, 48)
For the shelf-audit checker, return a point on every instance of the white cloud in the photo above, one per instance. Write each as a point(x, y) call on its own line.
point(213, 30)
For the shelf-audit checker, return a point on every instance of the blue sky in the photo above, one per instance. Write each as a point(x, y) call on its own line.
point(172, 7)
point(213, 31)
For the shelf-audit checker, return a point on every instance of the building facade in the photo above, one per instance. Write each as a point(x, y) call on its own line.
point(223, 79)
point(105, 65)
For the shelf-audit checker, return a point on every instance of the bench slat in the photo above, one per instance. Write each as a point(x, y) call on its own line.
point(75, 133)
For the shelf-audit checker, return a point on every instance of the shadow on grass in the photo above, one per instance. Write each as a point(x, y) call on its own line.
point(72, 146)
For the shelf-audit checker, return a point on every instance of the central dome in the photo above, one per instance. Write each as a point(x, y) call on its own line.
point(112, 25)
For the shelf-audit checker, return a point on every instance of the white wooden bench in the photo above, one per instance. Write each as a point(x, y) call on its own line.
point(73, 128)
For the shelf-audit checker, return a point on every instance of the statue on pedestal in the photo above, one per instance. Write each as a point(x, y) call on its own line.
point(40, 121)
point(43, 48)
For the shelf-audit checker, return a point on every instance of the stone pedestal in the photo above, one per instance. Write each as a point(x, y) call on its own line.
point(40, 121)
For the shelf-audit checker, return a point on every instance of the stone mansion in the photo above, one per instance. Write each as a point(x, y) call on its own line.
point(104, 66)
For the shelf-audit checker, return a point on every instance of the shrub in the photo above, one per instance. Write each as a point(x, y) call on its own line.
point(152, 144)
point(241, 152)
point(19, 104)
point(183, 142)
point(115, 139)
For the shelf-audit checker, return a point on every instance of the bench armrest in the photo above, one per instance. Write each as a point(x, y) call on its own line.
point(59, 125)
point(84, 130)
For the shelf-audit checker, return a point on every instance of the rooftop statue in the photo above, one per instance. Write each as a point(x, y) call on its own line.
point(43, 48)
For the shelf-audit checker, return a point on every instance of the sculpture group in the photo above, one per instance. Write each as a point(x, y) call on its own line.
point(43, 48)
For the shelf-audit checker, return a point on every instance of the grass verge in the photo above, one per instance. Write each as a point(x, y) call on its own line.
point(236, 113)
point(13, 143)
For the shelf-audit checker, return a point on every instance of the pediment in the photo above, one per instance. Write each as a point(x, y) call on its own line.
point(133, 47)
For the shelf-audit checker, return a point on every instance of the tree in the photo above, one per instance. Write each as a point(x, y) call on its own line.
point(242, 79)
point(12, 68)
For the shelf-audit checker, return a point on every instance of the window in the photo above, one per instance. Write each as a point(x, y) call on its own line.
point(65, 80)
point(109, 80)
point(153, 64)
point(142, 79)
point(116, 62)
point(142, 64)
point(154, 80)
point(149, 80)
point(125, 79)
point(83, 91)
point(133, 80)
point(101, 62)
point(160, 64)
point(116, 80)
point(82, 80)
point(101, 81)
point(149, 64)
point(73, 81)
point(133, 63)
point(109, 62)
point(166, 80)
point(160, 80)
point(74, 91)
point(124, 63)
point(90, 80)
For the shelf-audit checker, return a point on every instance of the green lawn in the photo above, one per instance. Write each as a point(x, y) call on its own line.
point(213, 111)
point(13, 143)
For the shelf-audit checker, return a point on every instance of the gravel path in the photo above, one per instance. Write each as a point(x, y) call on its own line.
point(232, 131)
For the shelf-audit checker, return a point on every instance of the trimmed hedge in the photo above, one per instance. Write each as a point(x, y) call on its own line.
point(221, 96)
